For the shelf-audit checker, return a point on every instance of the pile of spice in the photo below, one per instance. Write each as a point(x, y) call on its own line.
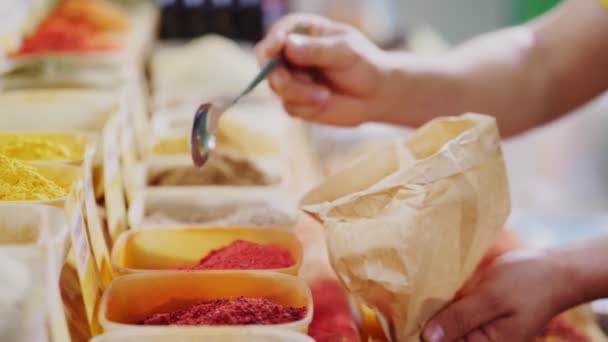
point(241, 214)
point(241, 311)
point(20, 182)
point(42, 146)
point(219, 170)
point(77, 25)
point(244, 255)
point(332, 319)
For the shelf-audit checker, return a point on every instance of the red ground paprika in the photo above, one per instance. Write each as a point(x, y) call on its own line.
point(64, 30)
point(244, 255)
point(332, 319)
point(241, 311)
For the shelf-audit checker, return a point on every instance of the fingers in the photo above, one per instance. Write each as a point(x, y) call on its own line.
point(274, 41)
point(270, 46)
point(298, 88)
point(337, 110)
point(331, 51)
point(478, 336)
point(463, 316)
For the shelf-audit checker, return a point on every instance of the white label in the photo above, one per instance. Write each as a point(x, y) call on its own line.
point(111, 157)
point(80, 242)
point(88, 178)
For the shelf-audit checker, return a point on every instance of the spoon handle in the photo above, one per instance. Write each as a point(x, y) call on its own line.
point(259, 78)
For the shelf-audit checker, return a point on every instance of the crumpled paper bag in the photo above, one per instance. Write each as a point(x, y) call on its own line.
point(407, 224)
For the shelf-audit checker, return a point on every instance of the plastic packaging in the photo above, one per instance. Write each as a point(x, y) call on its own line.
point(57, 109)
point(212, 206)
point(154, 250)
point(33, 247)
point(224, 169)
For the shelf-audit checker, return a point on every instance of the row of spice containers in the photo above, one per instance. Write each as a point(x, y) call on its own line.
point(64, 104)
point(112, 126)
point(210, 250)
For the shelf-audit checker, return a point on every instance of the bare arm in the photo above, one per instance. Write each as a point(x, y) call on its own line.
point(525, 76)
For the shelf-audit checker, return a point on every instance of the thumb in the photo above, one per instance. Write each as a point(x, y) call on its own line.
point(461, 317)
point(318, 51)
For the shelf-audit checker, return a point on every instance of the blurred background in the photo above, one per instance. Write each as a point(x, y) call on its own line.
point(558, 174)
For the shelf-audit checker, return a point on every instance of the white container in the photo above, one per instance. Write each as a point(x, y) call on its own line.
point(33, 243)
point(57, 109)
point(212, 206)
point(274, 171)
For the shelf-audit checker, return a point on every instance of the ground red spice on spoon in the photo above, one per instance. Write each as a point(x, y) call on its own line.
point(244, 255)
point(241, 311)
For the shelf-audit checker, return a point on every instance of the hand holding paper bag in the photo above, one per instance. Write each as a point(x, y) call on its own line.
point(406, 225)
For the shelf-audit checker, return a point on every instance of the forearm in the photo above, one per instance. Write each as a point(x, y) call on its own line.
point(584, 270)
point(524, 76)
point(495, 74)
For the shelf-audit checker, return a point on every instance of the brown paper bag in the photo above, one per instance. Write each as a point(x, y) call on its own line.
point(407, 224)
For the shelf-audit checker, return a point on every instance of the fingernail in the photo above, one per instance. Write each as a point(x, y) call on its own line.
point(321, 95)
point(433, 333)
point(297, 41)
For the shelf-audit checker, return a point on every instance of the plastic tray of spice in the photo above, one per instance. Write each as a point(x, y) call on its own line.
point(224, 168)
point(45, 146)
point(33, 246)
point(84, 110)
point(207, 300)
point(224, 248)
point(257, 334)
point(217, 206)
point(36, 182)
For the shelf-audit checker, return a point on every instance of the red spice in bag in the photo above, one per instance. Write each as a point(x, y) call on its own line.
point(332, 319)
point(241, 311)
point(244, 255)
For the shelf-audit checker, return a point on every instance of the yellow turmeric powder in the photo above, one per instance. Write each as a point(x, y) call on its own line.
point(46, 147)
point(20, 182)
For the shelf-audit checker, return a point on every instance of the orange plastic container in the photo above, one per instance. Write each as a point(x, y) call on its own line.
point(132, 298)
point(256, 334)
point(152, 250)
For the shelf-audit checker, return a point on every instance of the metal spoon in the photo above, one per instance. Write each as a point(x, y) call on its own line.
point(207, 117)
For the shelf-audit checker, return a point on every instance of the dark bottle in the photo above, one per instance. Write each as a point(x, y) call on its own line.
point(222, 18)
point(170, 21)
point(249, 20)
point(195, 21)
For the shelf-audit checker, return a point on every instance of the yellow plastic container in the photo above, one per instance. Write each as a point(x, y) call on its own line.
point(257, 334)
point(133, 298)
point(154, 250)
point(64, 175)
